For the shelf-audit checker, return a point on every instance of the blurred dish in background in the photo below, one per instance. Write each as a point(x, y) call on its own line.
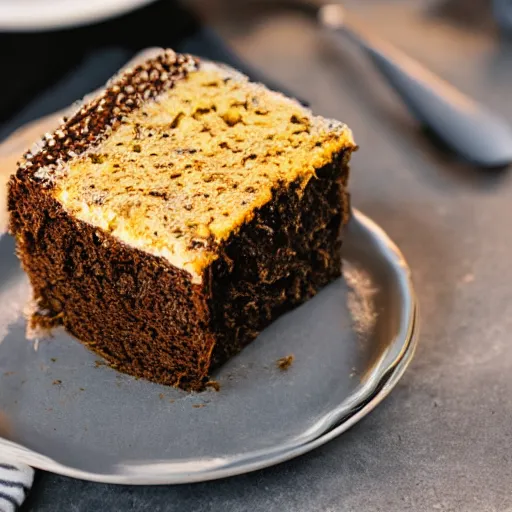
point(29, 15)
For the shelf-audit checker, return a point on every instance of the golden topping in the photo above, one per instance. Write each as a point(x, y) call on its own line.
point(184, 171)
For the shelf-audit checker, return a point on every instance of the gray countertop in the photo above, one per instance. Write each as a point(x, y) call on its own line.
point(442, 440)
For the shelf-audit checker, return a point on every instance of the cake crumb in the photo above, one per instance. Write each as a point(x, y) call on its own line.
point(53, 359)
point(213, 384)
point(99, 363)
point(284, 363)
point(161, 396)
point(8, 374)
point(41, 322)
point(171, 401)
point(82, 389)
point(57, 382)
point(198, 406)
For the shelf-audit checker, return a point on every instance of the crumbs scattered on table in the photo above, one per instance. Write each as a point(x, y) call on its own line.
point(82, 389)
point(198, 406)
point(56, 382)
point(99, 363)
point(213, 384)
point(285, 362)
point(8, 374)
point(53, 359)
point(161, 396)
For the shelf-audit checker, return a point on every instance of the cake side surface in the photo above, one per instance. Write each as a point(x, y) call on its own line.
point(144, 316)
point(283, 257)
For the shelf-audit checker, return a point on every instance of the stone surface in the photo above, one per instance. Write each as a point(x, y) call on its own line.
point(441, 441)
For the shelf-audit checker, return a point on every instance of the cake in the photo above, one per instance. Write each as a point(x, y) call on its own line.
point(179, 212)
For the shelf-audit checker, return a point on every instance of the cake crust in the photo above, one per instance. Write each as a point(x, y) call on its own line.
point(93, 121)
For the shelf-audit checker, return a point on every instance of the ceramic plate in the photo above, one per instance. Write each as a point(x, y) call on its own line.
point(53, 14)
point(62, 410)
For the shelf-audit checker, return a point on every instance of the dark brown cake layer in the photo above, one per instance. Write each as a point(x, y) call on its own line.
point(290, 250)
point(145, 316)
point(141, 314)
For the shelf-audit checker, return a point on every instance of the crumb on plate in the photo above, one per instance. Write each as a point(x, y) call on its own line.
point(284, 363)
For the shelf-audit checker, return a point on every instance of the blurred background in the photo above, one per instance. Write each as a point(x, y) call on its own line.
point(82, 42)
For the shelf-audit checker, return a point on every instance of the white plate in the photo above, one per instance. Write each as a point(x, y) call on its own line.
point(53, 14)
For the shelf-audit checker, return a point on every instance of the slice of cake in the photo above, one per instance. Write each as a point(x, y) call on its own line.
point(177, 214)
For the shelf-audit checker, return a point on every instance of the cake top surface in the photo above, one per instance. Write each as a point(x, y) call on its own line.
point(184, 166)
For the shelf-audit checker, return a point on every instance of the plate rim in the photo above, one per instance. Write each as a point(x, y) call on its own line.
point(160, 473)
